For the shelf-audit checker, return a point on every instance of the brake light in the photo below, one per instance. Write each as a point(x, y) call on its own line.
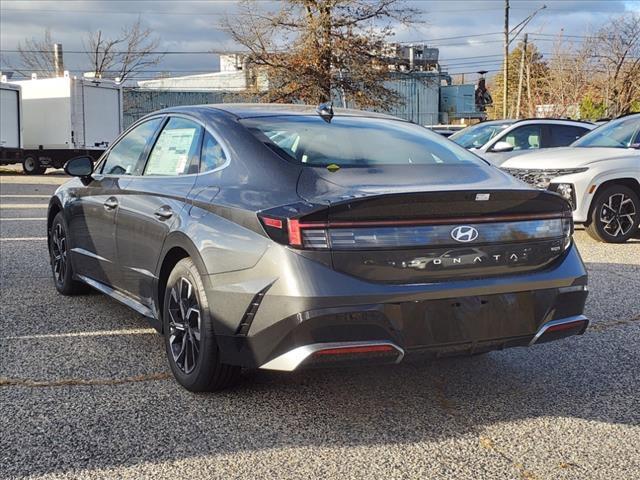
point(272, 222)
point(295, 235)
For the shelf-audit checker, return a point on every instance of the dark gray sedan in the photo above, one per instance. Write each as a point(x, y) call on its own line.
point(279, 236)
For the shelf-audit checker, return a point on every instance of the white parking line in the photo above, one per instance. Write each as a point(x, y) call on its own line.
point(8, 206)
point(21, 219)
point(22, 239)
point(101, 333)
point(25, 196)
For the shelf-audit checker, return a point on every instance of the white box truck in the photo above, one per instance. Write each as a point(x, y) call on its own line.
point(10, 123)
point(66, 117)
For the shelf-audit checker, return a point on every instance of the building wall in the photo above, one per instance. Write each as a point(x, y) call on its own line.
point(420, 92)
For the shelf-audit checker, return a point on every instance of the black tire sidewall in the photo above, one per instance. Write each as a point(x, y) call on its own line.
point(599, 201)
point(37, 169)
point(66, 287)
point(208, 358)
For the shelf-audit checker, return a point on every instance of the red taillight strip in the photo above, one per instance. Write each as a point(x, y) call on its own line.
point(292, 359)
point(565, 326)
point(561, 324)
point(352, 350)
point(431, 221)
point(295, 226)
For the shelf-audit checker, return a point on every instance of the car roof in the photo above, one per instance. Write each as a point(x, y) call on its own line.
point(249, 110)
point(569, 121)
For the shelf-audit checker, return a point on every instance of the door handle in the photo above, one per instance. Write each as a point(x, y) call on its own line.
point(163, 213)
point(111, 203)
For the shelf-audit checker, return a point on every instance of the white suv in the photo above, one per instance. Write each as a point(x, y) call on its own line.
point(499, 140)
point(598, 174)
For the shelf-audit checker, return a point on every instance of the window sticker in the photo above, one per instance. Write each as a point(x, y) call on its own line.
point(171, 152)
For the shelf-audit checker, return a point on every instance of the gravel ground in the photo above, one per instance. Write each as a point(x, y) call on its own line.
point(86, 393)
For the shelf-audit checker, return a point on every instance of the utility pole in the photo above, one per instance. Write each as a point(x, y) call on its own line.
point(530, 104)
point(505, 73)
point(522, 60)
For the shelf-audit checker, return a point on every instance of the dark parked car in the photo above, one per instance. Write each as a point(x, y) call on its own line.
point(277, 236)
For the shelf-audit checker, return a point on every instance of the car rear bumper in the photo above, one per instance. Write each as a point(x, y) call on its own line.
point(438, 319)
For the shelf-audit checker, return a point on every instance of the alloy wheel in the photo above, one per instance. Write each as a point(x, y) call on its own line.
point(618, 215)
point(59, 253)
point(184, 325)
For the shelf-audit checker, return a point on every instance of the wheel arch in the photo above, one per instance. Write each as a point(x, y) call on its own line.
point(55, 207)
point(176, 247)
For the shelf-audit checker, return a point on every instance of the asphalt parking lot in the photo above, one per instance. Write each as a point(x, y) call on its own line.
point(85, 391)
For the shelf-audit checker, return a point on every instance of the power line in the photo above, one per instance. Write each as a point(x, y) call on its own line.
point(427, 40)
point(192, 14)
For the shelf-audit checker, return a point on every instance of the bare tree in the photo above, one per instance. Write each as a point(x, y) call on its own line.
point(310, 49)
point(615, 50)
point(125, 56)
point(36, 56)
point(567, 78)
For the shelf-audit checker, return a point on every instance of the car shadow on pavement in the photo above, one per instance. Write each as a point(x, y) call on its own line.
point(76, 426)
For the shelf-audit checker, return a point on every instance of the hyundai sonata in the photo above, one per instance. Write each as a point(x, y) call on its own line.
point(280, 237)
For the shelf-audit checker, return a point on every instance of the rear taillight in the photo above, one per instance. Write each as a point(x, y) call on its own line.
point(567, 228)
point(391, 234)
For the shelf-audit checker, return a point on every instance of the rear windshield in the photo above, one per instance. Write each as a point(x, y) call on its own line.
point(355, 141)
point(478, 135)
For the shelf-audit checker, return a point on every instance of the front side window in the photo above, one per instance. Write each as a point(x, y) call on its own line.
point(126, 155)
point(615, 134)
point(176, 150)
point(355, 141)
point(212, 155)
point(478, 135)
point(526, 137)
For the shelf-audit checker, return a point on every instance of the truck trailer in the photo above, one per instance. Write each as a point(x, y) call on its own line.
point(10, 123)
point(66, 117)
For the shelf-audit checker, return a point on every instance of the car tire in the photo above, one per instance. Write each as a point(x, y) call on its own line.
point(190, 342)
point(31, 166)
point(615, 215)
point(61, 267)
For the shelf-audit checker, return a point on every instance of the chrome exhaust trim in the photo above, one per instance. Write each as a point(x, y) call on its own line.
point(289, 361)
point(561, 321)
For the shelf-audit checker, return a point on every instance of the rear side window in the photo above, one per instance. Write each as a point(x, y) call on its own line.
point(526, 137)
point(176, 150)
point(212, 155)
point(563, 135)
point(126, 155)
point(355, 141)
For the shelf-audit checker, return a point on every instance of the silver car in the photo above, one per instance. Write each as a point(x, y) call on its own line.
point(499, 140)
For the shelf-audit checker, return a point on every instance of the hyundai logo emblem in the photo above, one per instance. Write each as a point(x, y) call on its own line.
point(464, 234)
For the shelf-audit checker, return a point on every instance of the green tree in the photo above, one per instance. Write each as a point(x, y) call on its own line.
point(535, 69)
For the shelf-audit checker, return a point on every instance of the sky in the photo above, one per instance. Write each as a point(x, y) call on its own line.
point(467, 32)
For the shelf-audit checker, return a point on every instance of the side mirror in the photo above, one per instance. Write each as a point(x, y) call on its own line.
point(635, 145)
point(502, 147)
point(79, 166)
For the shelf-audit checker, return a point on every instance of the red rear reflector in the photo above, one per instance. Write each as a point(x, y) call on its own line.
point(565, 326)
point(352, 350)
point(272, 222)
point(295, 236)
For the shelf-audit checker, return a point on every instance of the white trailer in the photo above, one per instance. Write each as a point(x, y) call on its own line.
point(10, 123)
point(65, 117)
